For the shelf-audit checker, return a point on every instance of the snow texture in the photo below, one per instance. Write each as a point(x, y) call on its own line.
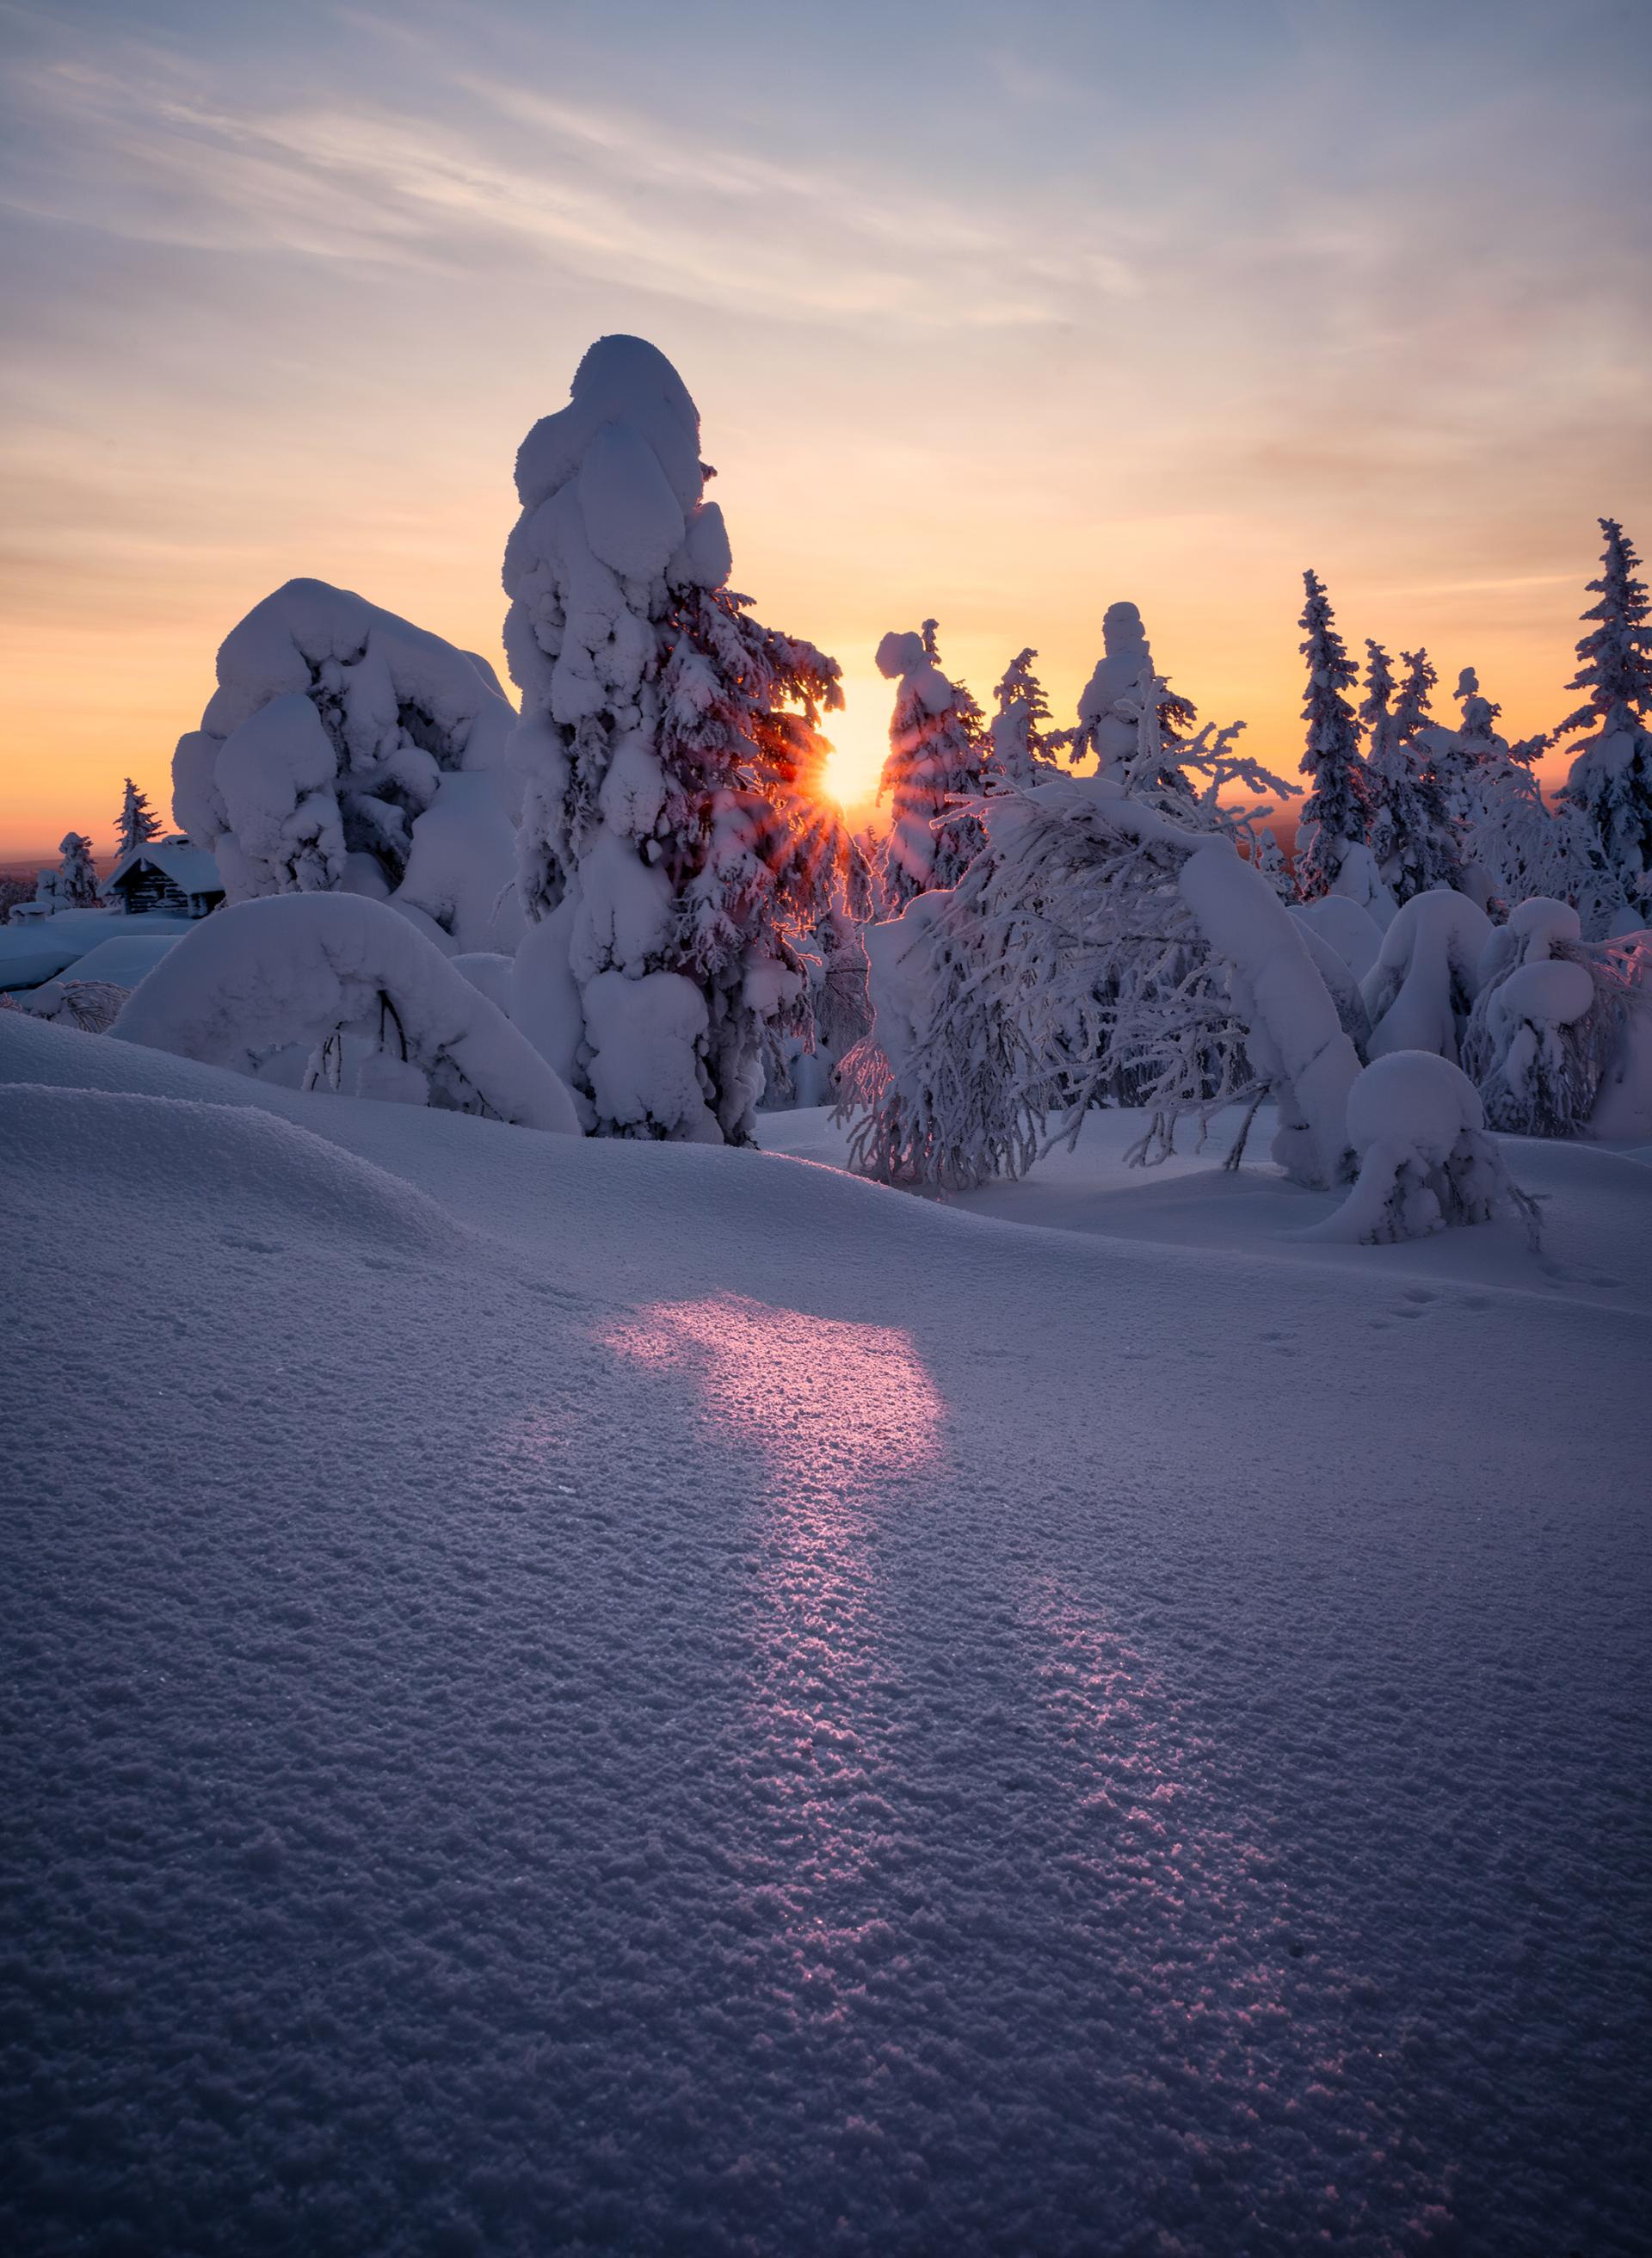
point(256, 979)
point(587, 1696)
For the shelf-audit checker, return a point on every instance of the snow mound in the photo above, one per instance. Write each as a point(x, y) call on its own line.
point(680, 1720)
point(270, 1184)
point(309, 969)
point(125, 959)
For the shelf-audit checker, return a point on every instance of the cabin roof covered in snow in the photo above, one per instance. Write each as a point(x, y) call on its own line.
point(191, 869)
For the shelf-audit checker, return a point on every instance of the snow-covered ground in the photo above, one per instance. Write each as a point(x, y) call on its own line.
point(565, 1695)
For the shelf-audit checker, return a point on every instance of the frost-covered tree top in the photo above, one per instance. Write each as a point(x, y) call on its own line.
point(939, 753)
point(332, 730)
point(137, 822)
point(1109, 707)
point(1021, 743)
point(1412, 840)
point(1611, 779)
point(1096, 942)
point(1335, 814)
point(674, 836)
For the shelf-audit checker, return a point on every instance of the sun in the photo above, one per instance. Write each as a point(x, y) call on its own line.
point(860, 741)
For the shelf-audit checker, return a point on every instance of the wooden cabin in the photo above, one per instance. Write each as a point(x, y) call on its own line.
point(166, 875)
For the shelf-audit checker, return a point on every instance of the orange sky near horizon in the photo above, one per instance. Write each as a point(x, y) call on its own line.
point(287, 308)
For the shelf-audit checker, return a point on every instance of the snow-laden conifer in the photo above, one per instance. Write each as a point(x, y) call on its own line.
point(137, 823)
point(1024, 745)
point(939, 755)
point(1335, 813)
point(1529, 850)
point(346, 750)
point(1413, 838)
point(77, 886)
point(1124, 689)
point(1610, 779)
point(676, 838)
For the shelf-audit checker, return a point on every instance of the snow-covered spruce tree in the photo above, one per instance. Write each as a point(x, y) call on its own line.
point(1024, 747)
point(676, 840)
point(1110, 707)
point(137, 823)
point(1336, 815)
point(77, 886)
point(1095, 939)
point(1413, 838)
point(346, 750)
point(1611, 779)
point(940, 754)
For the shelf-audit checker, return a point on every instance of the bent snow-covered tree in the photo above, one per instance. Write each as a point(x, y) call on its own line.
point(342, 975)
point(1421, 989)
point(939, 757)
point(1611, 779)
point(1336, 815)
point(347, 750)
point(1095, 938)
point(675, 840)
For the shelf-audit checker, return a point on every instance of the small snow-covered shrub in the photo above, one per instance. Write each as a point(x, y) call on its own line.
point(1421, 989)
point(1418, 1129)
point(90, 1004)
point(248, 984)
point(1547, 1021)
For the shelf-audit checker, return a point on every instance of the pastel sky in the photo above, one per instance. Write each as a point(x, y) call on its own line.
point(997, 313)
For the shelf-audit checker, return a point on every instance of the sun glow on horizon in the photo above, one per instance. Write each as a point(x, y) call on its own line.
point(859, 738)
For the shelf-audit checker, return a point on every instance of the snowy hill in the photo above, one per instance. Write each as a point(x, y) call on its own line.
point(568, 1694)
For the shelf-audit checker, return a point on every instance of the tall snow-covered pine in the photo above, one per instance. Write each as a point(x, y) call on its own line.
point(674, 835)
point(137, 823)
point(1335, 813)
point(1610, 779)
point(1412, 835)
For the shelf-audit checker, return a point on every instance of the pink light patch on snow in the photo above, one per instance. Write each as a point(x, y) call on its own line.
point(822, 1401)
point(839, 1414)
